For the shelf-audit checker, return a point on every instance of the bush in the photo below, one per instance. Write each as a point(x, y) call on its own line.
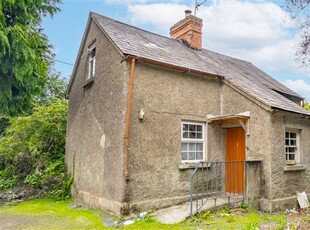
point(33, 148)
point(6, 179)
point(307, 106)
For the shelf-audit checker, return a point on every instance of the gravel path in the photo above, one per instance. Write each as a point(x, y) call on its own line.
point(10, 222)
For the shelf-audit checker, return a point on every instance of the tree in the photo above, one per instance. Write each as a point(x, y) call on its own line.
point(25, 53)
point(4, 122)
point(54, 89)
point(307, 106)
point(300, 10)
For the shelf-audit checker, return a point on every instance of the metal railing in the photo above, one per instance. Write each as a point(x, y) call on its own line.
point(214, 179)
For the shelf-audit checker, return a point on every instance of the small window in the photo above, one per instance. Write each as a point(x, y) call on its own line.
point(292, 146)
point(192, 146)
point(91, 62)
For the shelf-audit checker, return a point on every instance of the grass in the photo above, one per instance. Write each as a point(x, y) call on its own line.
point(152, 224)
point(237, 219)
point(49, 214)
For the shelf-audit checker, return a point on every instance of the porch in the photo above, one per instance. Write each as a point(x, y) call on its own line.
point(179, 213)
point(215, 184)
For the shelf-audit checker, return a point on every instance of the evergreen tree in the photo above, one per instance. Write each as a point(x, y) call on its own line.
point(25, 53)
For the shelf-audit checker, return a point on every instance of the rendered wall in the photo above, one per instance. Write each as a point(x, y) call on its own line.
point(278, 183)
point(258, 143)
point(288, 180)
point(96, 124)
point(168, 98)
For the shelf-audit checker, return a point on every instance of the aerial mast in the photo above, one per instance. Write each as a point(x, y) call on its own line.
point(197, 5)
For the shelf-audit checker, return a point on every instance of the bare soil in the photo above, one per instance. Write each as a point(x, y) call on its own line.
point(299, 220)
point(14, 222)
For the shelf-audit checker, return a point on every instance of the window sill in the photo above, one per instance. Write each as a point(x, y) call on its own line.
point(298, 167)
point(189, 165)
point(89, 82)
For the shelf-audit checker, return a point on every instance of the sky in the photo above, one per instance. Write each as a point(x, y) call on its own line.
point(258, 31)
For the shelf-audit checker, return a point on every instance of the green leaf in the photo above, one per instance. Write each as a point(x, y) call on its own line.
point(32, 148)
point(25, 54)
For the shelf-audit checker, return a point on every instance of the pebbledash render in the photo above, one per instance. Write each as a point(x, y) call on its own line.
point(144, 108)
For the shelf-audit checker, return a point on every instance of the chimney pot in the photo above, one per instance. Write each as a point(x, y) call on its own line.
point(187, 13)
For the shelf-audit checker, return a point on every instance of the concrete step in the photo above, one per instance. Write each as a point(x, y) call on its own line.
point(179, 213)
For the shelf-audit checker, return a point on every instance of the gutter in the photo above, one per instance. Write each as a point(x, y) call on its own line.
point(126, 136)
point(175, 67)
point(290, 113)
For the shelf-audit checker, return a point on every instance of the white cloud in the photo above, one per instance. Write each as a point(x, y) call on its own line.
point(299, 86)
point(243, 24)
point(160, 15)
point(260, 32)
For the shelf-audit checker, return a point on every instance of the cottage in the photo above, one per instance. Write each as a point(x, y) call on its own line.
point(144, 108)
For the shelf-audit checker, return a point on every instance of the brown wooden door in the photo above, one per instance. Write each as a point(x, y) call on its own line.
point(235, 157)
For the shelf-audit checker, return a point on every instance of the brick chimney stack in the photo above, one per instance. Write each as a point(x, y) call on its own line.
point(188, 29)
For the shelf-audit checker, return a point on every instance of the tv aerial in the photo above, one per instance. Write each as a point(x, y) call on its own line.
point(197, 5)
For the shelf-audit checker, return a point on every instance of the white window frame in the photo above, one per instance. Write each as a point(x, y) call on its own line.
point(297, 146)
point(189, 140)
point(91, 62)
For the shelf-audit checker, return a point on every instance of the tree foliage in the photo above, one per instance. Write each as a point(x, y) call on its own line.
point(300, 10)
point(307, 106)
point(32, 151)
point(25, 54)
point(4, 122)
point(32, 145)
point(54, 89)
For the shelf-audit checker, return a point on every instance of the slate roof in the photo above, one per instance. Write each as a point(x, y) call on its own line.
point(244, 75)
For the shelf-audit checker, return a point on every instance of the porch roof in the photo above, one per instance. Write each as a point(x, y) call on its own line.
point(229, 118)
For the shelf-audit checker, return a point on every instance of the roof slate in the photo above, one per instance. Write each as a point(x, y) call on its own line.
point(244, 75)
